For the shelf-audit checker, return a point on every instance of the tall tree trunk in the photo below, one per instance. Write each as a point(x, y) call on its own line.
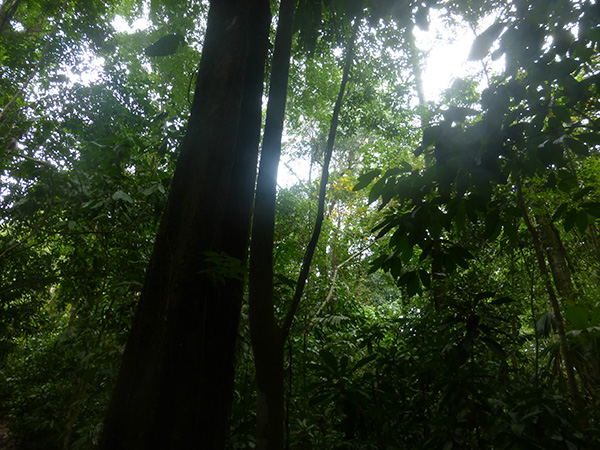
point(175, 385)
point(312, 244)
point(267, 338)
point(539, 253)
point(557, 258)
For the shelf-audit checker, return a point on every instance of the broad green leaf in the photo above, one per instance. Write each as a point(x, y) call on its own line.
point(592, 139)
point(391, 172)
point(330, 360)
point(581, 193)
point(510, 231)
point(562, 113)
point(363, 362)
point(577, 147)
point(365, 179)
point(377, 190)
point(411, 281)
point(494, 347)
point(502, 300)
point(569, 221)
point(405, 167)
point(120, 195)
point(560, 211)
point(492, 222)
point(343, 364)
point(581, 221)
point(578, 316)
point(396, 267)
point(592, 208)
point(545, 324)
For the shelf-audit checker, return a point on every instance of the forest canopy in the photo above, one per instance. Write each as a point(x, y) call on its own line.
point(431, 280)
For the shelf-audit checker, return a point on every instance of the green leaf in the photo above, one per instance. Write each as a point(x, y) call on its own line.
point(545, 324)
point(377, 263)
point(581, 193)
point(492, 220)
point(377, 190)
point(411, 281)
point(165, 46)
point(330, 360)
point(577, 147)
point(363, 362)
point(494, 347)
point(578, 316)
point(425, 278)
point(562, 113)
point(120, 195)
point(569, 221)
point(502, 300)
point(396, 267)
point(365, 179)
point(510, 231)
point(482, 44)
point(592, 139)
point(581, 220)
point(407, 250)
point(592, 208)
point(560, 211)
point(405, 167)
point(430, 135)
point(343, 364)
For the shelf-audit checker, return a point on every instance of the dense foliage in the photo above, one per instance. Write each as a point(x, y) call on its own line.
point(453, 296)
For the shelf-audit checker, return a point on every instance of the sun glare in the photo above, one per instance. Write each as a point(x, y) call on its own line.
point(447, 49)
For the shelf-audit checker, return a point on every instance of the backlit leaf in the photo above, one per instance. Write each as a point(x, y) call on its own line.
point(482, 44)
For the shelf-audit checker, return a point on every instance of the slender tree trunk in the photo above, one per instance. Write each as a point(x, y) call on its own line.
point(312, 244)
point(175, 385)
point(539, 253)
point(555, 252)
point(267, 338)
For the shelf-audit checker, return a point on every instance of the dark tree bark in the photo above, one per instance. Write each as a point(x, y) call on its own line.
point(175, 385)
point(8, 10)
point(267, 338)
point(312, 244)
